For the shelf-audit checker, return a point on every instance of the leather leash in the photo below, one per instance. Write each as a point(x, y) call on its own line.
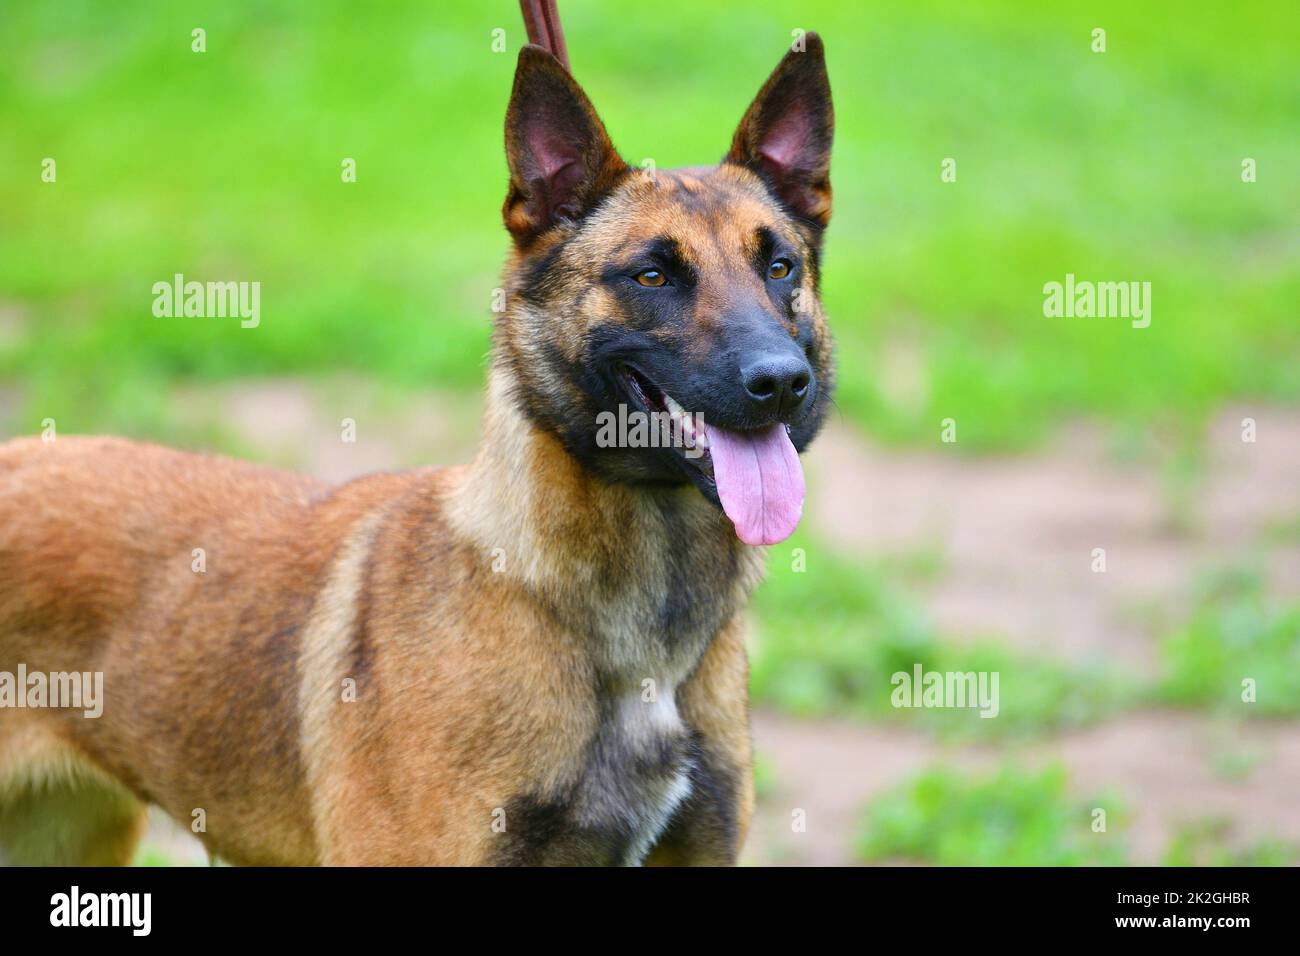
point(542, 21)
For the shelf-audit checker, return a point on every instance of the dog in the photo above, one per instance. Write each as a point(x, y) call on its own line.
point(533, 659)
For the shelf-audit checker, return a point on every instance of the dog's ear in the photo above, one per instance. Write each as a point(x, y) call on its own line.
point(561, 159)
point(785, 135)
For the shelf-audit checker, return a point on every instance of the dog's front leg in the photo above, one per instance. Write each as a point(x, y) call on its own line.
point(709, 827)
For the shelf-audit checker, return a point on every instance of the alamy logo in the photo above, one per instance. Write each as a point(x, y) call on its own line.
point(74, 690)
point(209, 300)
point(675, 428)
point(1102, 300)
point(943, 689)
point(133, 910)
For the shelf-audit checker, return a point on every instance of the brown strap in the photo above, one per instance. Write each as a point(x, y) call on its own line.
point(542, 20)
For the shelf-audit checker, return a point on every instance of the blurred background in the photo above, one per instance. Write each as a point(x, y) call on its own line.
point(1121, 689)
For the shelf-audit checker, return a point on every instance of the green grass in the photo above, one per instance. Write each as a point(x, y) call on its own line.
point(1012, 818)
point(1123, 165)
point(1017, 817)
point(1204, 843)
point(765, 780)
point(830, 638)
point(150, 856)
point(1236, 633)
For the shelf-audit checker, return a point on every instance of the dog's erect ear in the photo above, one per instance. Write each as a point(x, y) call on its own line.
point(561, 159)
point(785, 135)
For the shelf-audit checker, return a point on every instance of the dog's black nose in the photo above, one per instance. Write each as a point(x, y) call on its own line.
point(777, 382)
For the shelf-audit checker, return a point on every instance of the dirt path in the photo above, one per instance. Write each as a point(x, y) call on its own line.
point(1016, 535)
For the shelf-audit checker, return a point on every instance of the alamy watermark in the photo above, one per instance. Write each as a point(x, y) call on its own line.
point(74, 690)
point(946, 689)
point(209, 300)
point(133, 911)
point(1085, 300)
point(637, 429)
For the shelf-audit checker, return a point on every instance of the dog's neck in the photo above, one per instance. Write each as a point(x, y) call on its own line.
point(633, 568)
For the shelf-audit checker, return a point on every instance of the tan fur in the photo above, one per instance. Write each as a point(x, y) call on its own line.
point(225, 689)
point(513, 661)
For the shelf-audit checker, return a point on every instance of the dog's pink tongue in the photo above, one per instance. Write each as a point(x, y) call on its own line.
point(760, 482)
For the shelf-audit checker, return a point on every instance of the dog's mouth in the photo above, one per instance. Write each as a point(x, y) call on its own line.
point(753, 475)
point(687, 434)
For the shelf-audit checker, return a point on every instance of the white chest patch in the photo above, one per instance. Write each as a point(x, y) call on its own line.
point(641, 771)
point(657, 817)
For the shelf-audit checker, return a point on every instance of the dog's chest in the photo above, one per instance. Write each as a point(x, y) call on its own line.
point(647, 635)
point(636, 774)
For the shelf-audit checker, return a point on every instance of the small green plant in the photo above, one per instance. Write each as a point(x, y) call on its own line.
point(1012, 818)
point(1236, 635)
point(1205, 843)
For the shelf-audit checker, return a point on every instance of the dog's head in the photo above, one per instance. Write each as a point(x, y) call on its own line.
point(688, 297)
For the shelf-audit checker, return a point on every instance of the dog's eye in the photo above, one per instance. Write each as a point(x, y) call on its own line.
point(779, 269)
point(652, 278)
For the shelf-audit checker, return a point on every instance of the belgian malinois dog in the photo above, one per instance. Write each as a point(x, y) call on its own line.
point(535, 658)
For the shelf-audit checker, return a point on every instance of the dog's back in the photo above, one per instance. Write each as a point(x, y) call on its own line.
point(308, 674)
point(152, 567)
